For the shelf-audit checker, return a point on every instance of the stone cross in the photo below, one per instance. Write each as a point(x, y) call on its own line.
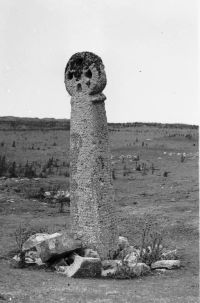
point(91, 193)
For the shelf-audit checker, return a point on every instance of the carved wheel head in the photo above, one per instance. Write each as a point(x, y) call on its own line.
point(85, 74)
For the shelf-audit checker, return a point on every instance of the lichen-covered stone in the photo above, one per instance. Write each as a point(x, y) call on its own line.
point(91, 193)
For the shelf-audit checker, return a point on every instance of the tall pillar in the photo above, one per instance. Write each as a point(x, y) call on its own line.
point(91, 193)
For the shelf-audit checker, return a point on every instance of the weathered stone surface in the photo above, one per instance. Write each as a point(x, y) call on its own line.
point(168, 264)
point(90, 253)
point(57, 246)
point(132, 258)
point(51, 246)
point(91, 192)
point(36, 239)
point(82, 267)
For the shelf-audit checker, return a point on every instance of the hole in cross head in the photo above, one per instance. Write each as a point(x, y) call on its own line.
point(79, 87)
point(69, 76)
point(88, 73)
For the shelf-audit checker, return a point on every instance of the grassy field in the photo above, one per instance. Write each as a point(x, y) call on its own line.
point(155, 175)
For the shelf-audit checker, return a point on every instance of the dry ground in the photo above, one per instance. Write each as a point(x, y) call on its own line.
point(171, 202)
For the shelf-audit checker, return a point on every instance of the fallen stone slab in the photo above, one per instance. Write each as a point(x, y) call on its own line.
point(82, 267)
point(36, 239)
point(52, 246)
point(168, 264)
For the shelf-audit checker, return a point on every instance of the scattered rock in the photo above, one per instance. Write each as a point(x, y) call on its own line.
point(32, 257)
point(59, 262)
point(82, 267)
point(126, 251)
point(168, 264)
point(16, 262)
point(132, 258)
point(89, 253)
point(169, 255)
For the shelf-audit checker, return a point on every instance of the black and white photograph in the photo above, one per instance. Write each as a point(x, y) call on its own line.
point(99, 151)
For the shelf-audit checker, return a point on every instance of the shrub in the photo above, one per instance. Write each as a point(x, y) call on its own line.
point(151, 243)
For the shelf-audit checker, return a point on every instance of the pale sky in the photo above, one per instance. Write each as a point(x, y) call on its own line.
point(149, 49)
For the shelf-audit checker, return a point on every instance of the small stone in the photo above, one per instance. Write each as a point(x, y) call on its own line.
point(32, 257)
point(82, 267)
point(90, 253)
point(169, 255)
point(168, 264)
point(58, 263)
point(132, 258)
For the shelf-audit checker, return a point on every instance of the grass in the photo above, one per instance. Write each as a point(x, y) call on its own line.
point(171, 202)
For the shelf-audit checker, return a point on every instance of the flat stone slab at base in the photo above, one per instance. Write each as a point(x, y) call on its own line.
point(168, 264)
point(82, 267)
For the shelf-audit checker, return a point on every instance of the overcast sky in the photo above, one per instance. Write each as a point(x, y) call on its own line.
point(149, 49)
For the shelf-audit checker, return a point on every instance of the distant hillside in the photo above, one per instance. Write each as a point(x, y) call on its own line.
point(17, 123)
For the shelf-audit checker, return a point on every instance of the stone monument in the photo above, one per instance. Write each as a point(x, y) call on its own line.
point(91, 193)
